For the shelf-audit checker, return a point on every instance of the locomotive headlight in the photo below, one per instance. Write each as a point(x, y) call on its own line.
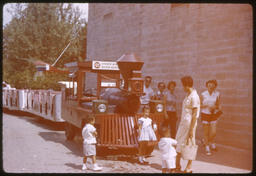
point(159, 107)
point(156, 106)
point(102, 107)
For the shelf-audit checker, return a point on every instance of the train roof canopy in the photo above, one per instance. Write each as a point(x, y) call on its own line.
point(94, 66)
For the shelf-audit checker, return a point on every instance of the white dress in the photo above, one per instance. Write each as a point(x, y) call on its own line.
point(147, 133)
point(191, 101)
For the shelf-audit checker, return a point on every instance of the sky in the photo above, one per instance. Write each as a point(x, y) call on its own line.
point(7, 17)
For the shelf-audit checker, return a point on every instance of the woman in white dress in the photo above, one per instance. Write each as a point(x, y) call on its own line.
point(188, 122)
point(146, 134)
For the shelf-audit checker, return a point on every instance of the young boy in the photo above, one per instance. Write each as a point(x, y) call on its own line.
point(166, 147)
point(89, 144)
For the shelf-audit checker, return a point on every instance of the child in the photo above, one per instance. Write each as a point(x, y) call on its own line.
point(166, 147)
point(89, 144)
point(146, 134)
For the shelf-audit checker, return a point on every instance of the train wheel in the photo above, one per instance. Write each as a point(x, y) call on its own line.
point(69, 131)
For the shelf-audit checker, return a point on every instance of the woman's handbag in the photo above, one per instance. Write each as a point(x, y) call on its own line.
point(189, 150)
point(217, 114)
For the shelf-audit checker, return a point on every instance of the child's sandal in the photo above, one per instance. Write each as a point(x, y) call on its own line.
point(188, 171)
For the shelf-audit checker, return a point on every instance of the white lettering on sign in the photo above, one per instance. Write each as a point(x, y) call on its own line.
point(108, 84)
point(102, 65)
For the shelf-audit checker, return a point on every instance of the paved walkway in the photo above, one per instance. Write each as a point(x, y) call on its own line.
point(225, 160)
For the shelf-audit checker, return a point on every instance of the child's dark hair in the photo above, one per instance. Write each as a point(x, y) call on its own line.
point(89, 119)
point(163, 129)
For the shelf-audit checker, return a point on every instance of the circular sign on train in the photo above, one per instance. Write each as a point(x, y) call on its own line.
point(104, 65)
point(96, 64)
point(102, 108)
point(159, 108)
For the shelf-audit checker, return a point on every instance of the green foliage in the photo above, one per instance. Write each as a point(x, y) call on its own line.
point(40, 32)
point(48, 81)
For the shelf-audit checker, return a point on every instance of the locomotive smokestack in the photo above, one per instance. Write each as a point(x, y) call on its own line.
point(127, 63)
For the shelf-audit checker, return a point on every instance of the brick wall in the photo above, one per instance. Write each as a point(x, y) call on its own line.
point(206, 41)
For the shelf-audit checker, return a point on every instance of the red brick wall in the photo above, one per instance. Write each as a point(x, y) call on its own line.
point(206, 41)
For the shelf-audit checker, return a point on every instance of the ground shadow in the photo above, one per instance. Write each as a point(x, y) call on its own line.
point(74, 166)
point(37, 120)
point(226, 157)
point(61, 139)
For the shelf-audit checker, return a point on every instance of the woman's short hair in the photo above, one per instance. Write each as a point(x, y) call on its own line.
point(171, 83)
point(148, 77)
point(158, 85)
point(211, 81)
point(187, 81)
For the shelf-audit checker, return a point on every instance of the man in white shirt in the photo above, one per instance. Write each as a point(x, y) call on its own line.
point(148, 93)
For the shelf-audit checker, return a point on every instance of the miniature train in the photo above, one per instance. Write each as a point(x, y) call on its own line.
point(115, 107)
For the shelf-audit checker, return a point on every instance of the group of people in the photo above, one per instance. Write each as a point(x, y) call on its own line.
point(171, 142)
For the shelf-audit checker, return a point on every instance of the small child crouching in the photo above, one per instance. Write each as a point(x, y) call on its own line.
point(89, 143)
point(167, 149)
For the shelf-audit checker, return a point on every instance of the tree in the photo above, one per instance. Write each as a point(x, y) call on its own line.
point(40, 32)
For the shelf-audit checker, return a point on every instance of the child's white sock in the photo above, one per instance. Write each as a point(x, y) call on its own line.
point(141, 159)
